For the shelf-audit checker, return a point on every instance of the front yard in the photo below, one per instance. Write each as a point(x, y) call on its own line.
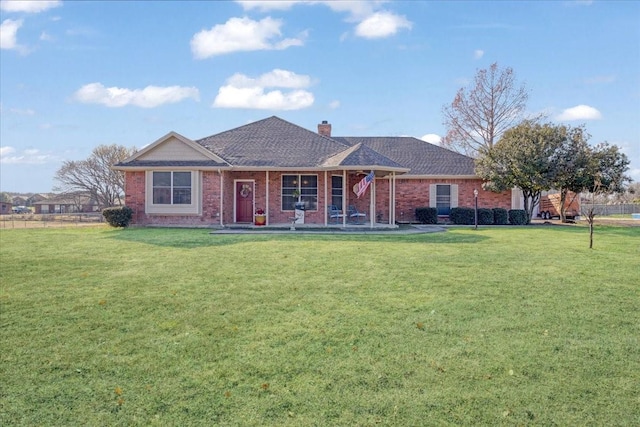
point(506, 325)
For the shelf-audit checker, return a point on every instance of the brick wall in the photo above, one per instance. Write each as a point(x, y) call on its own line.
point(414, 193)
point(410, 194)
point(135, 198)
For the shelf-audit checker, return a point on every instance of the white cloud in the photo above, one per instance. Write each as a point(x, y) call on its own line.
point(29, 6)
point(357, 10)
point(242, 91)
point(275, 78)
point(432, 138)
point(8, 33)
point(334, 105)
point(45, 36)
point(9, 155)
point(241, 34)
point(371, 21)
point(382, 24)
point(267, 5)
point(478, 53)
point(600, 79)
point(579, 112)
point(149, 97)
point(20, 112)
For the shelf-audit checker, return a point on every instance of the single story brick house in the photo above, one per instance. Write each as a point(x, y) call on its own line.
point(66, 203)
point(277, 166)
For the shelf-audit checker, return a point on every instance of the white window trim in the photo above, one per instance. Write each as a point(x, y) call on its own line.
point(191, 209)
point(300, 175)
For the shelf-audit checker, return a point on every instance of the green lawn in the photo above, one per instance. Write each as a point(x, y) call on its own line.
point(499, 326)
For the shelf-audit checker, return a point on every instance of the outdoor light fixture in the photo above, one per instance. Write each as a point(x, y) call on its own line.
point(475, 195)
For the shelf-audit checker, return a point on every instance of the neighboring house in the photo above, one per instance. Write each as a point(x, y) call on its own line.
point(271, 164)
point(6, 208)
point(19, 201)
point(38, 197)
point(66, 203)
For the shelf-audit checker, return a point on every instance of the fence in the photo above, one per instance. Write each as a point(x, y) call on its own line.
point(621, 209)
point(50, 220)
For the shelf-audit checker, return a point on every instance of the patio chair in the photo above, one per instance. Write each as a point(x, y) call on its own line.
point(355, 216)
point(334, 214)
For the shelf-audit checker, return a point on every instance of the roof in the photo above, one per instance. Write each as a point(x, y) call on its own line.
point(421, 157)
point(274, 143)
point(68, 199)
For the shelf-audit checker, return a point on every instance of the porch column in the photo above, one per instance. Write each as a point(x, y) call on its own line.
point(221, 197)
point(390, 196)
point(326, 200)
point(266, 189)
point(393, 204)
point(372, 202)
point(344, 198)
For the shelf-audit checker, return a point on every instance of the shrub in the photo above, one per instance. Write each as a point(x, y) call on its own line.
point(500, 216)
point(518, 217)
point(427, 215)
point(118, 216)
point(462, 216)
point(485, 216)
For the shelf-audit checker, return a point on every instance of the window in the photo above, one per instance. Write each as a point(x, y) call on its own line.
point(336, 191)
point(303, 188)
point(443, 199)
point(171, 188)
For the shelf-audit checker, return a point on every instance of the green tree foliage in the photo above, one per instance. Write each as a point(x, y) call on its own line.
point(479, 115)
point(572, 161)
point(94, 175)
point(536, 157)
point(5, 197)
point(522, 158)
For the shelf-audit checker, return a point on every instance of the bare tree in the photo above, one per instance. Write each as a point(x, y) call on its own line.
point(590, 209)
point(94, 175)
point(478, 116)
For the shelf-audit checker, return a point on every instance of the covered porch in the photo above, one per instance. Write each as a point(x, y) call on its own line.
point(345, 198)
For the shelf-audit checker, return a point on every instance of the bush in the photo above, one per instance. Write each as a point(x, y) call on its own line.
point(118, 216)
point(427, 215)
point(462, 216)
point(518, 217)
point(500, 216)
point(485, 216)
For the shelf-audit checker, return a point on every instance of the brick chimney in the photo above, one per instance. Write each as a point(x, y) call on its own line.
point(324, 128)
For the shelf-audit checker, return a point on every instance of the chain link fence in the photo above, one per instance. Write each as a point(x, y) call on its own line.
point(51, 220)
point(620, 209)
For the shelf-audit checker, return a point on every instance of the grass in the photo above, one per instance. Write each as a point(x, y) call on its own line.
point(499, 326)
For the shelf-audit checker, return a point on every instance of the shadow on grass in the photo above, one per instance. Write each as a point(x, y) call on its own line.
point(199, 238)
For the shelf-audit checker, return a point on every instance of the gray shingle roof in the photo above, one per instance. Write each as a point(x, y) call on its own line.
point(422, 158)
point(276, 143)
point(272, 142)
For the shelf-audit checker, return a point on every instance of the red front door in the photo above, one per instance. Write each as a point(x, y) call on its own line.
point(244, 201)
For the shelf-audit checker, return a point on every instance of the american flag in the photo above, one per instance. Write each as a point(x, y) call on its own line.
point(363, 184)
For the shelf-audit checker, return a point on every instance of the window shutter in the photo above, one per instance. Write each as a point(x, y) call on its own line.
point(432, 195)
point(454, 195)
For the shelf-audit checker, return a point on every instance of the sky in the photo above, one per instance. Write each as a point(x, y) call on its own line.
point(78, 74)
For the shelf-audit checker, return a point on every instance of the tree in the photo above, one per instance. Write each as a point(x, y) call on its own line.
point(477, 117)
point(522, 158)
point(606, 175)
point(5, 197)
point(571, 162)
point(95, 176)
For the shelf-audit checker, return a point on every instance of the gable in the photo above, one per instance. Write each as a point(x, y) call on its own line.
point(172, 149)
